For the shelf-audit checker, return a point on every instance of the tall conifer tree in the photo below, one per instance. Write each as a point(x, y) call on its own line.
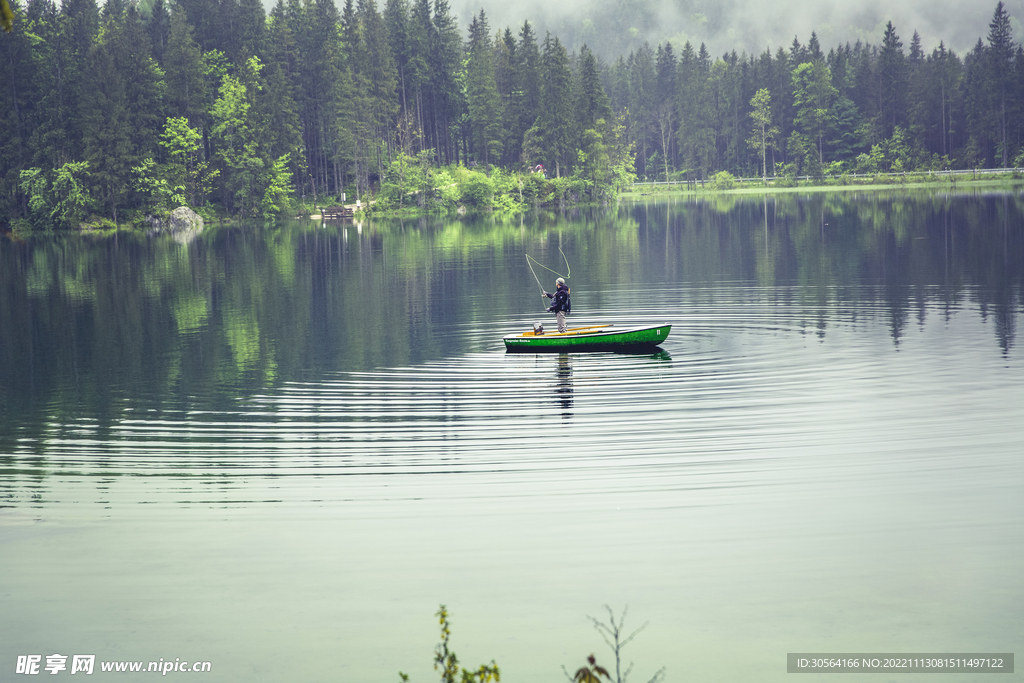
point(482, 94)
point(1000, 54)
point(104, 110)
point(183, 67)
point(445, 69)
point(892, 77)
point(556, 118)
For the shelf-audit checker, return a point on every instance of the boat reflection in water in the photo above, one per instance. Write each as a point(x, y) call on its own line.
point(564, 391)
point(563, 385)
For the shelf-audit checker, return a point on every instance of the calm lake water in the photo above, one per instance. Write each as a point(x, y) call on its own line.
point(280, 449)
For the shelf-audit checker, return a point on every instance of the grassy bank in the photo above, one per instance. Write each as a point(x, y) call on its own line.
point(733, 186)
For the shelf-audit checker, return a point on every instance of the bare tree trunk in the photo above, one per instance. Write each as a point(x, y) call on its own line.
point(764, 156)
point(1003, 125)
point(942, 88)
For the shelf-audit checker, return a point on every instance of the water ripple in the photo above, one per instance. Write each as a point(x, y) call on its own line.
point(740, 396)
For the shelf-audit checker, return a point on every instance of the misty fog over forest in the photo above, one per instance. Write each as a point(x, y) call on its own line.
point(613, 28)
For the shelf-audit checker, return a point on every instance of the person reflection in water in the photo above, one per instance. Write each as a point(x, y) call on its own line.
point(560, 304)
point(563, 387)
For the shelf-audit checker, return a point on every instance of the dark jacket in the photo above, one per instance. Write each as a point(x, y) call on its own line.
point(560, 300)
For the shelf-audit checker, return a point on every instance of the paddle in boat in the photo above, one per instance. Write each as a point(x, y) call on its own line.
point(592, 338)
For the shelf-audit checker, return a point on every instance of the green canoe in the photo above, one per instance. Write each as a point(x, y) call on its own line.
point(594, 338)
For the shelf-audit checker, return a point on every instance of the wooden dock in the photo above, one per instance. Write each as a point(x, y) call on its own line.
point(337, 213)
point(334, 213)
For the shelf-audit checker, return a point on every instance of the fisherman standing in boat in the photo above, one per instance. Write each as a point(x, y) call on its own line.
point(560, 304)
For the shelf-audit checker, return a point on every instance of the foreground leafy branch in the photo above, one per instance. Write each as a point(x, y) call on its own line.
point(446, 661)
point(613, 631)
point(588, 674)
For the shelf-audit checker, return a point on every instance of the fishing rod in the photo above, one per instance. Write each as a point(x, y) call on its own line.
point(535, 274)
point(530, 261)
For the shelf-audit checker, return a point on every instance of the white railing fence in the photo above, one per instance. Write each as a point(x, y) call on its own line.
point(972, 173)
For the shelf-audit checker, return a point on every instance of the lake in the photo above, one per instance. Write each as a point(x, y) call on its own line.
point(280, 449)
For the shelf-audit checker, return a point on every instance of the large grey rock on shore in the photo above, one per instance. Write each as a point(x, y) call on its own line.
point(184, 223)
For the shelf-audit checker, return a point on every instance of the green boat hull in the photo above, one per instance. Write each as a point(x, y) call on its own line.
point(598, 338)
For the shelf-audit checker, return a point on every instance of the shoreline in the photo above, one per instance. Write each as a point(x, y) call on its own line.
point(828, 187)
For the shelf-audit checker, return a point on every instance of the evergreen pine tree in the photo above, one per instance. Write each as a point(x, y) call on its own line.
point(663, 104)
point(592, 104)
point(381, 77)
point(282, 111)
point(444, 87)
point(18, 101)
point(892, 76)
point(643, 104)
point(158, 27)
point(107, 127)
point(1000, 79)
point(527, 87)
point(505, 68)
point(183, 67)
point(143, 81)
point(555, 121)
point(482, 94)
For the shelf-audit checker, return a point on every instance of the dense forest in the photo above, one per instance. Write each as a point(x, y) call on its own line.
point(130, 109)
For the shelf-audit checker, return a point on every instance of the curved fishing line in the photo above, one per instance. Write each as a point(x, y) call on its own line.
point(530, 258)
point(568, 270)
